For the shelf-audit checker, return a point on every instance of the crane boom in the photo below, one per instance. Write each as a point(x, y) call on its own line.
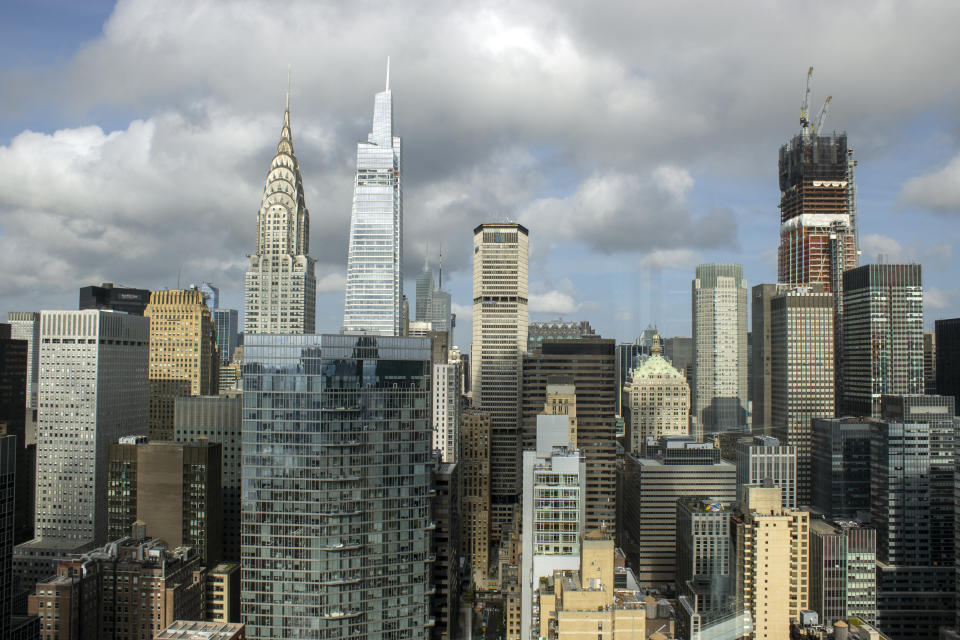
point(804, 120)
point(823, 115)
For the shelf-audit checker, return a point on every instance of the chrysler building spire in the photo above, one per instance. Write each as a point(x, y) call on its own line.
point(280, 284)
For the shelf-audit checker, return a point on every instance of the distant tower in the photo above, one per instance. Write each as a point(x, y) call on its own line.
point(375, 254)
point(424, 293)
point(719, 349)
point(500, 319)
point(281, 287)
point(657, 401)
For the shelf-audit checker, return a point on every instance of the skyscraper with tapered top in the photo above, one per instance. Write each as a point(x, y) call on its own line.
point(375, 254)
point(281, 288)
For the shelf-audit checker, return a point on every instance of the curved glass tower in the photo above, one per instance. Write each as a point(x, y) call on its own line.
point(375, 254)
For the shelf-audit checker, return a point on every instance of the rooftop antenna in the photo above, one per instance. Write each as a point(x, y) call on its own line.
point(388, 74)
point(426, 257)
point(440, 285)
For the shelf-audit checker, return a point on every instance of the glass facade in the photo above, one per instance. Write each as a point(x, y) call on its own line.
point(375, 254)
point(227, 332)
point(336, 481)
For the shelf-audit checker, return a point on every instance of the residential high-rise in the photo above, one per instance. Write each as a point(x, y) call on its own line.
point(92, 390)
point(771, 547)
point(656, 401)
point(375, 254)
point(223, 592)
point(843, 571)
point(114, 298)
point(500, 319)
point(554, 493)
point(682, 468)
point(227, 324)
point(183, 354)
point(882, 336)
point(588, 365)
point(475, 428)
point(217, 419)
point(25, 325)
point(447, 382)
point(840, 468)
point(948, 354)
point(720, 349)
point(762, 458)
point(802, 376)
point(281, 287)
point(336, 511)
point(172, 488)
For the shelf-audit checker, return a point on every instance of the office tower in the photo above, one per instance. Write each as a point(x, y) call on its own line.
point(172, 488)
point(93, 389)
point(588, 364)
point(557, 329)
point(704, 579)
point(588, 602)
point(281, 287)
point(425, 287)
point(681, 468)
point(762, 458)
point(447, 382)
point(761, 357)
point(230, 377)
point(657, 401)
point(840, 468)
point(882, 336)
point(720, 349)
point(948, 354)
point(554, 493)
point(8, 479)
point(679, 351)
point(817, 210)
point(183, 354)
point(930, 362)
point(628, 357)
point(375, 253)
point(475, 430)
point(223, 593)
point(772, 553)
point(843, 571)
point(445, 547)
point(227, 324)
point(25, 325)
point(915, 579)
point(108, 297)
point(441, 318)
point(217, 419)
point(500, 318)
point(193, 629)
point(336, 449)
point(146, 586)
point(14, 399)
point(802, 374)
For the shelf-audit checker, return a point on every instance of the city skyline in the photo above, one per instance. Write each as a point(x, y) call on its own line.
point(528, 124)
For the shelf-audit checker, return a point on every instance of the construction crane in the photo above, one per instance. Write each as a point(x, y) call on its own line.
point(804, 121)
point(822, 116)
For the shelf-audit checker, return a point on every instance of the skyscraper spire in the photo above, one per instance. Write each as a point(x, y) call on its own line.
point(280, 283)
point(388, 74)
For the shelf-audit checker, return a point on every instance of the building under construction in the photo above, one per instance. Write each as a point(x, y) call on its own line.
point(817, 211)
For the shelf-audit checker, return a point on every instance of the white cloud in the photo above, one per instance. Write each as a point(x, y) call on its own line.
point(464, 312)
point(936, 191)
point(876, 246)
point(552, 301)
point(661, 259)
point(335, 282)
point(935, 298)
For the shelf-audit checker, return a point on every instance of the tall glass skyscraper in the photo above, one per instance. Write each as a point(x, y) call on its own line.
point(336, 480)
point(375, 254)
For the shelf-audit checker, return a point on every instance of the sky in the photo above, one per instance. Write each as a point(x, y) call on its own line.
point(634, 140)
